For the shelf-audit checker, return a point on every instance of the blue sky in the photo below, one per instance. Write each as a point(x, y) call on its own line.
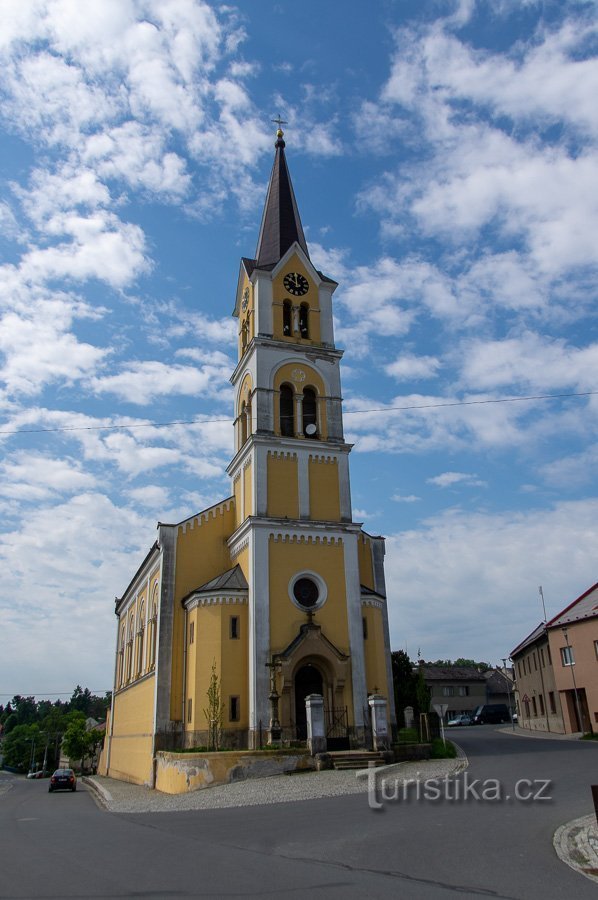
point(444, 156)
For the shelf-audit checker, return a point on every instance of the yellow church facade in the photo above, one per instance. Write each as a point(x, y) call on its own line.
point(275, 588)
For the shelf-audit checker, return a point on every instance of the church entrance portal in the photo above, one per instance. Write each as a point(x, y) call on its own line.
point(308, 680)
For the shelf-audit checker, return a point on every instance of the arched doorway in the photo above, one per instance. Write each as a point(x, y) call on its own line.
point(308, 680)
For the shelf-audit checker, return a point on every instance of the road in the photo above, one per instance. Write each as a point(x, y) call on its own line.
point(64, 846)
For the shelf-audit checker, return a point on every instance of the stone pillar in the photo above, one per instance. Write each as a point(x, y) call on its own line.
point(316, 731)
point(380, 733)
point(409, 717)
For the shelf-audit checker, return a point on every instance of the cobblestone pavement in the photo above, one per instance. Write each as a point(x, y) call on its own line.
point(119, 796)
point(576, 843)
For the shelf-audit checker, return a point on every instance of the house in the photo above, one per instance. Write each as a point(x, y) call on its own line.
point(273, 592)
point(500, 686)
point(460, 688)
point(556, 670)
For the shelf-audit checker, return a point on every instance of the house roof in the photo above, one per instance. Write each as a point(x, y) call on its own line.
point(281, 225)
point(451, 673)
point(231, 580)
point(497, 682)
point(538, 632)
point(585, 607)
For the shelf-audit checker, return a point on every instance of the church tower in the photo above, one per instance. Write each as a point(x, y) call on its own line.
point(317, 605)
point(274, 591)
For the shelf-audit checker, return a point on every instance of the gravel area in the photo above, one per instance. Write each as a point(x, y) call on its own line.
point(119, 796)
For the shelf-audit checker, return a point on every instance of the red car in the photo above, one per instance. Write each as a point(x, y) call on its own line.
point(63, 780)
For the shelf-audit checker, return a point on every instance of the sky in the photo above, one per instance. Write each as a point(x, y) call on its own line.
point(444, 156)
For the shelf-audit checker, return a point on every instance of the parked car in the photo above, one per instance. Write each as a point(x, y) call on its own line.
point(491, 712)
point(63, 780)
point(463, 719)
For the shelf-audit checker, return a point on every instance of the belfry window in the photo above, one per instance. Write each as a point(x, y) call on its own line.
point(243, 423)
point(287, 411)
point(287, 314)
point(310, 413)
point(304, 320)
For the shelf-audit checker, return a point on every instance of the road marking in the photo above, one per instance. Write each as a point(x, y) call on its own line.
point(30, 819)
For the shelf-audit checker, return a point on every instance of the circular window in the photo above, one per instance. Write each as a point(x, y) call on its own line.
point(307, 590)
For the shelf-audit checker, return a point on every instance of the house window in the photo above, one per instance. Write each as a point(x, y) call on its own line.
point(234, 709)
point(287, 411)
point(549, 656)
point(541, 699)
point(534, 706)
point(448, 691)
point(551, 702)
point(191, 632)
point(526, 704)
point(535, 662)
point(542, 657)
point(519, 667)
point(234, 630)
point(567, 657)
point(287, 312)
point(304, 320)
point(364, 625)
point(189, 710)
point(463, 691)
point(596, 648)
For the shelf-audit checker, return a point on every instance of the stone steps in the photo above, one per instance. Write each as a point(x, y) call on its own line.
point(356, 759)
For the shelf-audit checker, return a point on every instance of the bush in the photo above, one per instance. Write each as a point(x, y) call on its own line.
point(440, 751)
point(408, 736)
point(590, 736)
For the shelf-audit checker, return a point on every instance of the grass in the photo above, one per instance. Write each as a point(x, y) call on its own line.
point(590, 736)
point(440, 751)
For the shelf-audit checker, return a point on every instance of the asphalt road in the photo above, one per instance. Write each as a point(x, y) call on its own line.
point(64, 846)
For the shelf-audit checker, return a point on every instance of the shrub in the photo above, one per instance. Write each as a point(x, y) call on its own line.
point(440, 751)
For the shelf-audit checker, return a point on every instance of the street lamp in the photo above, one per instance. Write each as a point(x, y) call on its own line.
point(504, 663)
point(571, 663)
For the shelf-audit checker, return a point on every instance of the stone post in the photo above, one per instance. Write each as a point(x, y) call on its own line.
point(380, 733)
point(409, 717)
point(316, 731)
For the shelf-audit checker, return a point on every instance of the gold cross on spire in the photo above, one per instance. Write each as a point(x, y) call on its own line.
point(279, 121)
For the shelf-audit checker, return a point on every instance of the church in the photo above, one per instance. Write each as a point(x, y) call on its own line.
point(274, 590)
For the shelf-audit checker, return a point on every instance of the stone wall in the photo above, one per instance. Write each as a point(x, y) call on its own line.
point(179, 773)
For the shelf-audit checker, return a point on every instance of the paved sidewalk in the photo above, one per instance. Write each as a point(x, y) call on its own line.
point(576, 843)
point(546, 735)
point(122, 797)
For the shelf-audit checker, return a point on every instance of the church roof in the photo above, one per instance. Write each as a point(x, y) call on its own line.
point(232, 580)
point(368, 592)
point(281, 224)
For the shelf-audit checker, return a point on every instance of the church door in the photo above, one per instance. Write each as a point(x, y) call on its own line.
point(308, 680)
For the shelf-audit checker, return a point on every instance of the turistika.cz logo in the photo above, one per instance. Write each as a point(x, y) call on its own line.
point(454, 790)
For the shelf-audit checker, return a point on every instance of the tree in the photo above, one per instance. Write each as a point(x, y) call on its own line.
point(23, 748)
point(214, 711)
point(404, 682)
point(423, 693)
point(75, 742)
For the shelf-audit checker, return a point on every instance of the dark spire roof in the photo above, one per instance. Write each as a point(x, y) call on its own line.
point(281, 225)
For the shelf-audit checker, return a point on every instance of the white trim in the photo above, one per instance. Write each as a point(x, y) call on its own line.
point(216, 600)
point(353, 593)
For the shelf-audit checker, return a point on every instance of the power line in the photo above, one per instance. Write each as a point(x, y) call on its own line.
point(349, 412)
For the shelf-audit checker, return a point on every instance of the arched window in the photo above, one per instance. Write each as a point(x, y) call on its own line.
point(287, 411)
point(243, 424)
point(153, 628)
point(310, 413)
point(129, 653)
point(120, 672)
point(287, 312)
point(140, 636)
point(304, 320)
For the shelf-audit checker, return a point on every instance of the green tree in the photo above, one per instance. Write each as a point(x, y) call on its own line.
point(423, 693)
point(75, 742)
point(214, 711)
point(23, 747)
point(404, 682)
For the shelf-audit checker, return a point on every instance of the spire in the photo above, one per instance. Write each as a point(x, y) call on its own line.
point(281, 225)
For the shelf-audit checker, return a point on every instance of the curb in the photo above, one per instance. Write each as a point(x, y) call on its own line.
point(576, 844)
point(461, 762)
point(101, 794)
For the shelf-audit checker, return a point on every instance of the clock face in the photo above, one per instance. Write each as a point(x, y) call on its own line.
point(296, 284)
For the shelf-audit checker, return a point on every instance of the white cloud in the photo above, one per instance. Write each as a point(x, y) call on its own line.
point(408, 498)
point(409, 367)
point(448, 479)
point(478, 574)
